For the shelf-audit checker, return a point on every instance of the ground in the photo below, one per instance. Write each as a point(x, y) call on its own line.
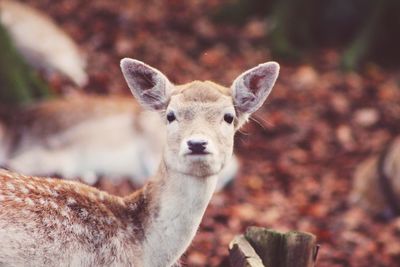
point(299, 152)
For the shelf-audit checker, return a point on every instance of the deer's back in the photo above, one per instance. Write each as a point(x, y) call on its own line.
point(49, 222)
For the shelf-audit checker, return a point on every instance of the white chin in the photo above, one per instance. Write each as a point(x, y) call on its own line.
point(200, 165)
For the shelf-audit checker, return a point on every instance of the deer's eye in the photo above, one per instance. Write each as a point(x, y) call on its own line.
point(171, 116)
point(228, 118)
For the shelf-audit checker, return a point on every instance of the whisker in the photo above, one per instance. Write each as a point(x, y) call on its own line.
point(243, 132)
point(261, 122)
point(257, 122)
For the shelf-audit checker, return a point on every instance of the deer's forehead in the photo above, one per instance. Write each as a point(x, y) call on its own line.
point(201, 99)
point(192, 108)
point(199, 91)
point(201, 94)
point(209, 111)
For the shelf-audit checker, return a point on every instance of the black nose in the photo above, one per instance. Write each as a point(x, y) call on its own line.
point(197, 146)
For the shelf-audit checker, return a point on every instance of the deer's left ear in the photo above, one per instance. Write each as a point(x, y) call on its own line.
point(252, 87)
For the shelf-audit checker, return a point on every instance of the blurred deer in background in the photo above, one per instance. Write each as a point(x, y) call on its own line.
point(50, 222)
point(85, 136)
point(42, 42)
point(377, 182)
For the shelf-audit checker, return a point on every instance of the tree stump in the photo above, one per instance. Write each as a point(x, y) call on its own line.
point(260, 247)
point(242, 254)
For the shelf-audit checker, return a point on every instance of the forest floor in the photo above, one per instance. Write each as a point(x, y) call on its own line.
point(299, 153)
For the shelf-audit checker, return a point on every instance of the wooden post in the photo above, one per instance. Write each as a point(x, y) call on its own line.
point(269, 248)
point(242, 254)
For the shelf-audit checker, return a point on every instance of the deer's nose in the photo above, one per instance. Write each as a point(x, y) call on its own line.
point(197, 146)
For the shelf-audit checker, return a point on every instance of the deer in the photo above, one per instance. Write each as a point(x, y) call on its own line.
point(85, 137)
point(55, 53)
point(52, 222)
point(376, 183)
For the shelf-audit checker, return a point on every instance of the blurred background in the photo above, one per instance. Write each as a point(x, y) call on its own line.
point(336, 102)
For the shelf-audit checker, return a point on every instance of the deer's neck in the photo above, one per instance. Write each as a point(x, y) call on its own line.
point(177, 204)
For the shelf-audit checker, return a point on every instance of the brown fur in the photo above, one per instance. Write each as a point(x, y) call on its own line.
point(199, 91)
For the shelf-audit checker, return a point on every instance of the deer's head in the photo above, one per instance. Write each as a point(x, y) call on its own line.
point(201, 118)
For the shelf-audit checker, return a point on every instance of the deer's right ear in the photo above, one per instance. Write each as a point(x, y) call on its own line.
point(150, 87)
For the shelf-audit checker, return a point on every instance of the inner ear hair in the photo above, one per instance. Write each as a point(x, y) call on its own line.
point(251, 88)
point(150, 87)
point(144, 78)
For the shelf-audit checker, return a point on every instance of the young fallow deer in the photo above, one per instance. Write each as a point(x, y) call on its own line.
point(48, 222)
